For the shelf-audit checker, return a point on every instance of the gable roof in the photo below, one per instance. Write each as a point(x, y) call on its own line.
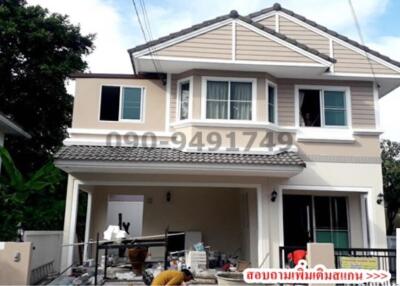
point(232, 15)
point(278, 7)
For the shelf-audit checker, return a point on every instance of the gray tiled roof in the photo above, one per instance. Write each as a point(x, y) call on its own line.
point(234, 15)
point(168, 155)
point(278, 7)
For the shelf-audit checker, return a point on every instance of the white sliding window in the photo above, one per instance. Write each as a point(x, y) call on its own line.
point(184, 93)
point(323, 107)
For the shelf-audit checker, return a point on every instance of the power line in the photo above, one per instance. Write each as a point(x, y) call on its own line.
point(142, 28)
point(358, 27)
point(148, 28)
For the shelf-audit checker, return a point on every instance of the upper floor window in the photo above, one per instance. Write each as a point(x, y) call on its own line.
point(272, 99)
point(184, 99)
point(121, 103)
point(229, 99)
point(323, 107)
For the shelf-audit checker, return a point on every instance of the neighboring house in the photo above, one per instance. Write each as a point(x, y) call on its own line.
point(230, 81)
point(7, 126)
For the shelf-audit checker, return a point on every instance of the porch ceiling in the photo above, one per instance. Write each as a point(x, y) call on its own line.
point(172, 161)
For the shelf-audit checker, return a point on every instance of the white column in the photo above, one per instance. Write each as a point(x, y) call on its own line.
point(71, 212)
point(263, 226)
point(398, 256)
point(87, 226)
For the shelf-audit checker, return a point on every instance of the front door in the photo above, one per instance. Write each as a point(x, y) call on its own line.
point(297, 219)
point(315, 218)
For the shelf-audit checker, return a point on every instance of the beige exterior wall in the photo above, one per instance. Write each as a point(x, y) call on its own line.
point(318, 178)
point(268, 22)
point(86, 113)
point(350, 61)
point(220, 214)
point(216, 44)
point(362, 100)
point(303, 35)
point(251, 46)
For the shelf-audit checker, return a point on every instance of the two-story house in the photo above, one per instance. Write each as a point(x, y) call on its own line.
point(257, 131)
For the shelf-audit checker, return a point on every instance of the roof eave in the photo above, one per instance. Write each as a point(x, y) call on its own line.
point(11, 127)
point(94, 166)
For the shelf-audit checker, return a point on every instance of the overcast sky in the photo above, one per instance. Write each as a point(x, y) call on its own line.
point(116, 26)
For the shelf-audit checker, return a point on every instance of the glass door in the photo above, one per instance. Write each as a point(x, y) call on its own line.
point(297, 219)
point(331, 221)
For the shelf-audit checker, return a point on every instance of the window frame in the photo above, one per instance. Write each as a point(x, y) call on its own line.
point(267, 84)
point(120, 108)
point(178, 98)
point(321, 89)
point(253, 82)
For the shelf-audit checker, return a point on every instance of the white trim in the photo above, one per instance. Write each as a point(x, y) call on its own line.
point(326, 188)
point(234, 41)
point(286, 44)
point(87, 226)
point(88, 131)
point(367, 132)
point(174, 41)
point(267, 84)
point(177, 168)
point(376, 105)
point(323, 88)
point(120, 107)
point(363, 75)
point(253, 82)
point(245, 62)
point(168, 102)
point(339, 41)
point(264, 16)
point(233, 124)
point(331, 54)
point(277, 23)
point(178, 98)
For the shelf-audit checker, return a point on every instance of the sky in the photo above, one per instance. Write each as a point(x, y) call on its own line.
point(116, 27)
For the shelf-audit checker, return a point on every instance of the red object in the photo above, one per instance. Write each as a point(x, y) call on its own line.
point(226, 266)
point(297, 255)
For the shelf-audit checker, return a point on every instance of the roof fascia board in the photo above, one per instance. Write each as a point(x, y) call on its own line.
point(205, 60)
point(176, 168)
point(182, 38)
point(336, 39)
point(12, 127)
point(284, 43)
point(264, 16)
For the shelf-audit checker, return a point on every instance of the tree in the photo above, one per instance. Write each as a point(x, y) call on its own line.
point(17, 193)
point(391, 180)
point(38, 51)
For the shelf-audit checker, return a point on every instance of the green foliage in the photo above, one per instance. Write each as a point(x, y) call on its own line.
point(391, 180)
point(38, 51)
point(17, 193)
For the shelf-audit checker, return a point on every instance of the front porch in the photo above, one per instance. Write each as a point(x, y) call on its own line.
point(227, 213)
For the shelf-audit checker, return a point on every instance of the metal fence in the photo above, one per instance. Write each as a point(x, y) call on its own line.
point(386, 258)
